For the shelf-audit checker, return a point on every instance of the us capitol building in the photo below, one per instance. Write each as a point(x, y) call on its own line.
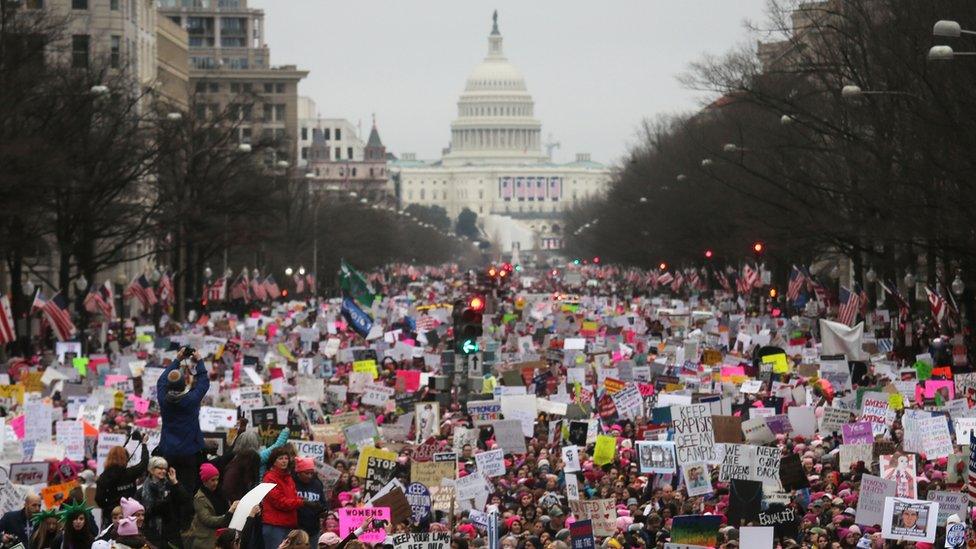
point(495, 166)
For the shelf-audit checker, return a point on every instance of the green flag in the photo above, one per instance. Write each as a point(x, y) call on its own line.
point(355, 285)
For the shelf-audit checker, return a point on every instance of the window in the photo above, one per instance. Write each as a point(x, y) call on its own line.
point(235, 87)
point(279, 134)
point(200, 110)
point(246, 87)
point(268, 108)
point(268, 87)
point(443, 195)
point(481, 194)
point(113, 5)
point(423, 194)
point(246, 113)
point(214, 87)
point(304, 153)
point(354, 172)
point(280, 87)
point(325, 134)
point(79, 4)
point(280, 112)
point(245, 135)
point(35, 4)
point(409, 195)
point(338, 153)
point(79, 51)
point(304, 134)
point(338, 134)
point(116, 51)
point(349, 153)
point(371, 173)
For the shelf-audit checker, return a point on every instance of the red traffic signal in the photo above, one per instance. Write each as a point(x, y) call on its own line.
point(477, 303)
point(758, 248)
point(663, 266)
point(596, 260)
point(708, 254)
point(492, 272)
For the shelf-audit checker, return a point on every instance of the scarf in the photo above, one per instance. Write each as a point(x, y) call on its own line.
point(153, 492)
point(220, 505)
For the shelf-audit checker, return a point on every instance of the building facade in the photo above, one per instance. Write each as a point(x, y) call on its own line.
point(231, 74)
point(341, 135)
point(495, 165)
point(366, 174)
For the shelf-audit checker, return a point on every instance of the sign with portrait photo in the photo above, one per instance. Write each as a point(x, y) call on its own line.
point(910, 520)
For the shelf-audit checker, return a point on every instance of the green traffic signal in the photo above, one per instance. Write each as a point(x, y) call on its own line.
point(576, 262)
point(469, 346)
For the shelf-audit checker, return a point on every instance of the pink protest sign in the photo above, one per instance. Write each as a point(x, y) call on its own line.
point(141, 404)
point(946, 387)
point(17, 424)
point(411, 379)
point(858, 433)
point(351, 518)
point(112, 379)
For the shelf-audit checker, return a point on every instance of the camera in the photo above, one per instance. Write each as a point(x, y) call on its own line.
point(187, 351)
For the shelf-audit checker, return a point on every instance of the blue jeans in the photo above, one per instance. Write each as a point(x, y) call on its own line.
point(274, 535)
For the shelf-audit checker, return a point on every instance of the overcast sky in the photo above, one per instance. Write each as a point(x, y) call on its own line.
point(594, 69)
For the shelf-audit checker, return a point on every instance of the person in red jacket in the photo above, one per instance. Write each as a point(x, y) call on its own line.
point(280, 509)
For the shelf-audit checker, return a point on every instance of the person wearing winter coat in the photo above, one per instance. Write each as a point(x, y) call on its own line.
point(163, 497)
point(118, 480)
point(181, 440)
point(211, 511)
point(311, 489)
point(280, 514)
point(76, 532)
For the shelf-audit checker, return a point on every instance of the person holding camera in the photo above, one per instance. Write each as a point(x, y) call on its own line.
point(118, 480)
point(181, 441)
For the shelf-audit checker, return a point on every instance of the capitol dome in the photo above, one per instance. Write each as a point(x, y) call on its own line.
point(495, 122)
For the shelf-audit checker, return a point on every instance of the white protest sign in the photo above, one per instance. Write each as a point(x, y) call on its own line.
point(491, 464)
point(71, 435)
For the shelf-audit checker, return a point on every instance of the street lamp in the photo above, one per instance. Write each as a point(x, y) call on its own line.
point(174, 116)
point(207, 272)
point(363, 200)
point(289, 271)
point(958, 286)
point(786, 120)
point(871, 275)
point(99, 90)
point(732, 148)
point(81, 283)
point(945, 53)
point(283, 164)
point(681, 177)
point(255, 273)
point(301, 270)
point(851, 91)
point(352, 194)
point(29, 288)
point(706, 162)
point(949, 29)
point(643, 199)
point(909, 279)
point(244, 148)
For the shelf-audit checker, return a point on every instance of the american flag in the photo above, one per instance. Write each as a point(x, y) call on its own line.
point(678, 282)
point(796, 284)
point(892, 290)
point(218, 290)
point(7, 333)
point(937, 304)
point(39, 301)
point(271, 287)
point(751, 277)
point(108, 296)
point(141, 290)
point(972, 467)
point(850, 302)
point(95, 302)
point(239, 289)
point(724, 281)
point(426, 323)
point(166, 291)
point(299, 284)
point(885, 345)
point(694, 280)
point(257, 288)
point(665, 278)
point(57, 315)
point(862, 297)
point(310, 281)
point(652, 279)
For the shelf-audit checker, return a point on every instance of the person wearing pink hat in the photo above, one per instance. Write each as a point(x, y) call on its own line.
point(310, 488)
point(210, 510)
point(118, 480)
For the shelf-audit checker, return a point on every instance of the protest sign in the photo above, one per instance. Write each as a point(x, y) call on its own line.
point(571, 459)
point(854, 453)
point(858, 433)
point(696, 478)
point(29, 474)
point(728, 429)
point(581, 534)
point(418, 496)
point(936, 440)
point(485, 412)
point(871, 499)
point(950, 503)
point(833, 420)
point(352, 518)
point(656, 456)
point(247, 503)
point(701, 530)
point(605, 449)
point(603, 514)
point(372, 452)
point(509, 436)
point(71, 435)
point(909, 519)
point(756, 431)
point(427, 540)
point(784, 520)
point(309, 449)
point(491, 463)
point(900, 468)
point(694, 437)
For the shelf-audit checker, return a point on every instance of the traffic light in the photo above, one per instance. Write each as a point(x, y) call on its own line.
point(663, 266)
point(492, 271)
point(467, 316)
point(596, 260)
point(576, 261)
point(708, 254)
